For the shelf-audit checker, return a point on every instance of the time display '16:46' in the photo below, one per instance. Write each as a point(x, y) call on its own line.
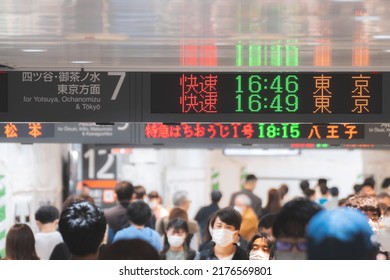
point(255, 94)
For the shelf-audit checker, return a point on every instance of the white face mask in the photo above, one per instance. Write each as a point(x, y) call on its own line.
point(153, 204)
point(222, 237)
point(175, 240)
point(258, 255)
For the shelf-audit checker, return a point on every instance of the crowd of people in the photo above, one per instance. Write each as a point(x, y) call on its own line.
point(316, 225)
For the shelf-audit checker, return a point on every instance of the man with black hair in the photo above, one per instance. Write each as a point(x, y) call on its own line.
point(290, 226)
point(224, 230)
point(82, 226)
point(368, 186)
point(48, 237)
point(117, 215)
point(304, 185)
point(139, 193)
point(386, 185)
point(249, 187)
point(139, 214)
point(266, 223)
point(205, 212)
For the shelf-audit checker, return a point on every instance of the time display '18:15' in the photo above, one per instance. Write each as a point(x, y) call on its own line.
point(277, 94)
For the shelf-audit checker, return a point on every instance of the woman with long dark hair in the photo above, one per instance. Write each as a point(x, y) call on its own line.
point(274, 203)
point(20, 243)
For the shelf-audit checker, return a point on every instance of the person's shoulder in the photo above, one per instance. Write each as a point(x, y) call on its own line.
point(205, 254)
point(153, 232)
point(240, 254)
point(200, 212)
point(237, 193)
point(123, 231)
point(191, 254)
point(113, 210)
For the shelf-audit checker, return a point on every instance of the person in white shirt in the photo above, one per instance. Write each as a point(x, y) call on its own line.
point(48, 237)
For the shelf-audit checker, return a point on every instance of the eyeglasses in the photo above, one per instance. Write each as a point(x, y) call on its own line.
point(288, 246)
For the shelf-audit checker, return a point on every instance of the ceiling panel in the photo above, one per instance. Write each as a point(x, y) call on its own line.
point(183, 34)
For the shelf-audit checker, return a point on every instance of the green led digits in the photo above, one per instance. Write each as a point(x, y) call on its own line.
point(267, 94)
point(283, 130)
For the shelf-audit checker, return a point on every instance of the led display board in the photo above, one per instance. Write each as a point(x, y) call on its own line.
point(265, 97)
point(195, 97)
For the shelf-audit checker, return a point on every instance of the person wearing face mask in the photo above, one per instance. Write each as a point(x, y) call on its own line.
point(289, 228)
point(176, 241)
point(224, 227)
point(155, 204)
point(261, 247)
point(242, 204)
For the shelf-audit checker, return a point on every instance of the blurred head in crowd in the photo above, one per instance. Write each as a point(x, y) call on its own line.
point(324, 190)
point(154, 200)
point(47, 216)
point(334, 191)
point(368, 205)
point(124, 192)
point(241, 203)
point(180, 199)
point(322, 182)
point(20, 243)
point(224, 227)
point(139, 212)
point(216, 196)
point(340, 234)
point(290, 226)
point(386, 184)
point(178, 212)
point(139, 193)
point(273, 201)
point(368, 186)
point(129, 249)
point(250, 182)
point(82, 226)
point(283, 190)
point(266, 223)
point(304, 185)
point(357, 188)
point(310, 194)
point(261, 247)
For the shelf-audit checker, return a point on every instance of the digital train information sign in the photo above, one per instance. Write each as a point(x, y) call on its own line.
point(254, 131)
point(195, 97)
point(276, 97)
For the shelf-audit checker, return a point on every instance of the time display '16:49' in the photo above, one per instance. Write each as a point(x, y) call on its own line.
point(255, 94)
